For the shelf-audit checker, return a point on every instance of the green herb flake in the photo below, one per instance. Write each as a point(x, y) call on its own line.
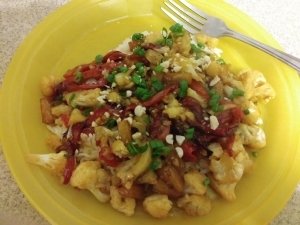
point(86, 112)
point(78, 77)
point(137, 37)
point(254, 154)
point(177, 30)
point(221, 61)
point(206, 182)
point(183, 86)
point(236, 93)
point(135, 149)
point(157, 84)
point(246, 111)
point(111, 123)
point(189, 133)
point(142, 93)
point(200, 45)
point(155, 164)
point(214, 101)
point(139, 51)
point(98, 59)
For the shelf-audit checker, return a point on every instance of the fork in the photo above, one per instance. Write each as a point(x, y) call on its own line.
point(195, 20)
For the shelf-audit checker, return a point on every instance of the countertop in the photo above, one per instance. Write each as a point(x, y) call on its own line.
point(17, 18)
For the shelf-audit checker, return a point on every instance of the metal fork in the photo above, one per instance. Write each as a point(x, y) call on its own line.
point(195, 20)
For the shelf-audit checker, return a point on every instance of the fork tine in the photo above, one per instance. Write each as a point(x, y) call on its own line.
point(194, 9)
point(185, 25)
point(187, 11)
point(187, 19)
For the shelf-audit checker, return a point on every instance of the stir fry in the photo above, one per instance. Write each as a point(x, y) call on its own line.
point(160, 120)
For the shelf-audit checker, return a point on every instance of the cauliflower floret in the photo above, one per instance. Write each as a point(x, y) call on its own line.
point(226, 169)
point(53, 141)
point(88, 150)
point(216, 149)
point(87, 98)
point(76, 117)
point(253, 116)
point(57, 130)
point(121, 204)
point(88, 175)
point(157, 205)
point(194, 183)
point(54, 162)
point(119, 149)
point(227, 191)
point(123, 80)
point(114, 97)
point(48, 85)
point(195, 205)
point(175, 110)
point(256, 86)
point(60, 110)
point(252, 136)
point(148, 177)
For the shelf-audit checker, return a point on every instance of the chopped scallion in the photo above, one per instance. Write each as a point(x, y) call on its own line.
point(142, 93)
point(157, 84)
point(111, 123)
point(183, 86)
point(78, 77)
point(139, 51)
point(98, 59)
point(206, 182)
point(189, 133)
point(135, 149)
point(177, 30)
point(137, 37)
point(159, 68)
point(214, 101)
point(236, 93)
point(155, 164)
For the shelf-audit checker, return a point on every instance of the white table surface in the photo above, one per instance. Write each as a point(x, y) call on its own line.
point(281, 18)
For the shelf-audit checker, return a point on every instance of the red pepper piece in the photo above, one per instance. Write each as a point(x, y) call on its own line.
point(158, 97)
point(200, 89)
point(189, 151)
point(69, 168)
point(115, 56)
point(108, 158)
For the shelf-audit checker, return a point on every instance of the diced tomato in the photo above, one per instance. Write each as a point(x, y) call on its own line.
point(69, 168)
point(200, 89)
point(115, 56)
point(158, 97)
point(189, 151)
point(108, 158)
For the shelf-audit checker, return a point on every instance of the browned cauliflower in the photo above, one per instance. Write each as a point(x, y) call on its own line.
point(157, 205)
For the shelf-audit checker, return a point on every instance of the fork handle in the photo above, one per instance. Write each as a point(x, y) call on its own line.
point(284, 57)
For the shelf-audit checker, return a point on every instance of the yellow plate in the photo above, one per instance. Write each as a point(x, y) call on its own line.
point(77, 32)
